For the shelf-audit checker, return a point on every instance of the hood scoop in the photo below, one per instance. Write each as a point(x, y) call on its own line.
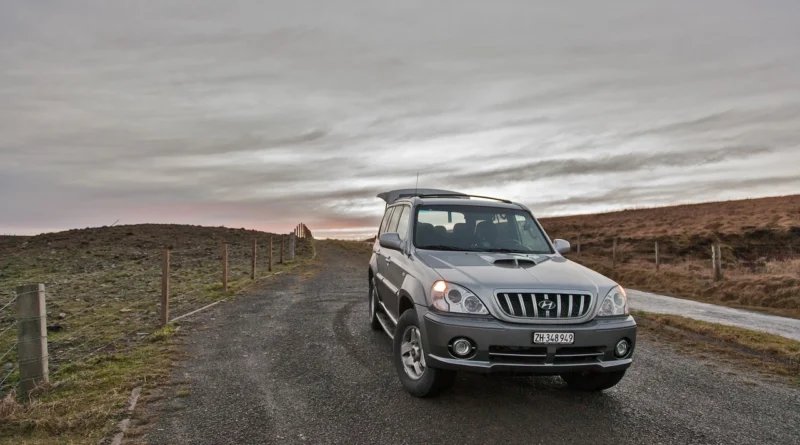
point(513, 263)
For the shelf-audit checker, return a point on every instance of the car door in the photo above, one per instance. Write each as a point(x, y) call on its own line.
point(396, 260)
point(384, 289)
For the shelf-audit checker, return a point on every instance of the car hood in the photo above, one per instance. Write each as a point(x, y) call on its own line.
point(486, 272)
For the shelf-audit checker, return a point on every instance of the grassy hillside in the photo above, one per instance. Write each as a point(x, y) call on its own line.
point(103, 301)
point(747, 216)
point(760, 241)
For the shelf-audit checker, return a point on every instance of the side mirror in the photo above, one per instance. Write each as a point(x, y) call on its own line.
point(390, 240)
point(562, 246)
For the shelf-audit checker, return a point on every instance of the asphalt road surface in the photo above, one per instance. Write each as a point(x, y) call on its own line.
point(296, 362)
point(661, 304)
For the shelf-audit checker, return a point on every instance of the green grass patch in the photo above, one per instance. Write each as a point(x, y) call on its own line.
point(84, 402)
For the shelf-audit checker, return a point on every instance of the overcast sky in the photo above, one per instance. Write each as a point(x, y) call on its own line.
point(265, 113)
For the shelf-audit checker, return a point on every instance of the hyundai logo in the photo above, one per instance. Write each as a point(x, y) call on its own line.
point(547, 305)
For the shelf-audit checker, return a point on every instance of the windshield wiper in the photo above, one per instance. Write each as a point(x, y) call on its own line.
point(443, 247)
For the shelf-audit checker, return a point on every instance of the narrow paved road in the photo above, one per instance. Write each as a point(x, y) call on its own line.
point(297, 363)
point(783, 326)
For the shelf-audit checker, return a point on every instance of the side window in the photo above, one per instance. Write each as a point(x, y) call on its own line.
point(392, 227)
point(386, 217)
point(402, 225)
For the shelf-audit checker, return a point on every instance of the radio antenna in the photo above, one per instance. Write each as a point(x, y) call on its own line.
point(416, 186)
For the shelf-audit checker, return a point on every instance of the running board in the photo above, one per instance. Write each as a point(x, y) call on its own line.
point(384, 320)
point(394, 322)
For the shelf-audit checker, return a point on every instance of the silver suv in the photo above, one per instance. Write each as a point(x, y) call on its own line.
point(466, 283)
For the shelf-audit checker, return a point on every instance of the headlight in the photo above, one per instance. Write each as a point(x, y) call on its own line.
point(615, 303)
point(449, 297)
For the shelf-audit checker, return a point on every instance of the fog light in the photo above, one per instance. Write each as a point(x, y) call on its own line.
point(622, 348)
point(462, 347)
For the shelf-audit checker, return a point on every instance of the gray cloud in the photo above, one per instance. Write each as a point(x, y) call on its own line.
point(648, 195)
point(623, 163)
point(271, 112)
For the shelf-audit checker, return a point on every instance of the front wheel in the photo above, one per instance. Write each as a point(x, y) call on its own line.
point(593, 381)
point(409, 359)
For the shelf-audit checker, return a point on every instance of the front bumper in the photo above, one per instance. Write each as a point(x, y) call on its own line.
point(509, 347)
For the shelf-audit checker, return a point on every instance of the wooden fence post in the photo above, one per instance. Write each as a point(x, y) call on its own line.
point(716, 261)
point(253, 260)
point(281, 257)
point(269, 267)
point(165, 288)
point(225, 267)
point(578, 252)
point(657, 260)
point(31, 337)
point(292, 242)
point(614, 258)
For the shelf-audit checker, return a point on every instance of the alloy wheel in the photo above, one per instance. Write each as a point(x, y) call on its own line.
point(411, 353)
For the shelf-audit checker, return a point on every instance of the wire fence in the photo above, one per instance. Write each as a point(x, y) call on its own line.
point(662, 264)
point(108, 310)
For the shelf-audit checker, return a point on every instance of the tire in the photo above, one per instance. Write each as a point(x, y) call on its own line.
point(374, 323)
point(593, 381)
point(430, 381)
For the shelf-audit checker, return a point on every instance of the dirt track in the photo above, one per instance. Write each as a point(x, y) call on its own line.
point(297, 363)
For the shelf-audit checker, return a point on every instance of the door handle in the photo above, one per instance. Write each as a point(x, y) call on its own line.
point(388, 259)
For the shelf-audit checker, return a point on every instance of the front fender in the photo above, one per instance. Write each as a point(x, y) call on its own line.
point(413, 288)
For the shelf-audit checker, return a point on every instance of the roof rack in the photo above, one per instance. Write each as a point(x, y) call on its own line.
point(393, 195)
point(461, 195)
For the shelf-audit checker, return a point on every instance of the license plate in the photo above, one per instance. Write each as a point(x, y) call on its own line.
point(553, 338)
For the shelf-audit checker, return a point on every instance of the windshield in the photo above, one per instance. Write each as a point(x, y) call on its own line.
point(478, 229)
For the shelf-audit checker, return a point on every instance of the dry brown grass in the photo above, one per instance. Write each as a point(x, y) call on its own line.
point(771, 354)
point(760, 241)
point(777, 293)
point(707, 219)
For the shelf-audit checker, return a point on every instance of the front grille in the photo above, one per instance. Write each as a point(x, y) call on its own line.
point(576, 355)
point(537, 355)
point(559, 305)
point(518, 354)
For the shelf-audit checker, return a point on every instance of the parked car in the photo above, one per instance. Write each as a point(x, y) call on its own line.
point(466, 283)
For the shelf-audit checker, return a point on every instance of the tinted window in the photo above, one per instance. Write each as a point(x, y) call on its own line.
point(402, 225)
point(386, 217)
